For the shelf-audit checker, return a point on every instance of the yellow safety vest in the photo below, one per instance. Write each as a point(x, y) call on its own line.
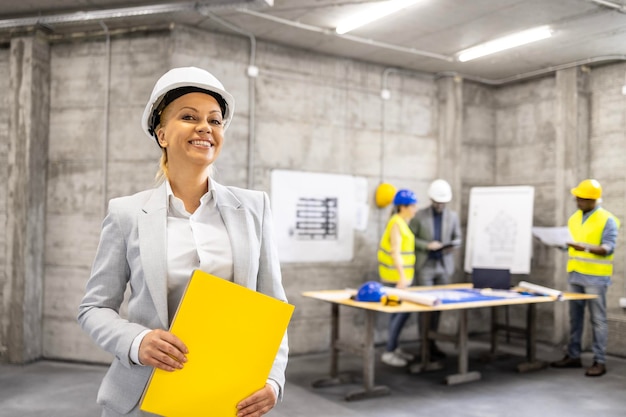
point(386, 268)
point(589, 232)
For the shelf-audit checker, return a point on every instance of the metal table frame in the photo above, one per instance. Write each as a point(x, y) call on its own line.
point(367, 350)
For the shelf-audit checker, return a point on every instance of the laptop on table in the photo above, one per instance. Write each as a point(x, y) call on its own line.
point(497, 279)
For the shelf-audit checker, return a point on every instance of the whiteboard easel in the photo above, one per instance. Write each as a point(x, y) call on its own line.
point(499, 228)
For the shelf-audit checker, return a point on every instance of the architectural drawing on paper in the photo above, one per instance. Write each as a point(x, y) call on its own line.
point(316, 218)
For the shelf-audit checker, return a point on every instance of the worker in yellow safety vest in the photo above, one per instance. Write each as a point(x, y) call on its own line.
point(396, 265)
point(589, 267)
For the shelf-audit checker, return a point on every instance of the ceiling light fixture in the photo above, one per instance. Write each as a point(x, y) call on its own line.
point(375, 12)
point(506, 42)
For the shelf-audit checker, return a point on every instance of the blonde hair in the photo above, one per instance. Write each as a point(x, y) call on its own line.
point(162, 173)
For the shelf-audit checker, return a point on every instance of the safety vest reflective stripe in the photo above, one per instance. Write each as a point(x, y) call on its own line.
point(382, 265)
point(593, 261)
point(401, 253)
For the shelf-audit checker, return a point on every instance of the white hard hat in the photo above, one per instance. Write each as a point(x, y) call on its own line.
point(180, 78)
point(440, 191)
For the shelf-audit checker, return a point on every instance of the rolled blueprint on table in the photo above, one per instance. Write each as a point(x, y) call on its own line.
point(538, 289)
point(414, 296)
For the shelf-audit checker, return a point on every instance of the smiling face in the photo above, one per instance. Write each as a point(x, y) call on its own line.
point(191, 131)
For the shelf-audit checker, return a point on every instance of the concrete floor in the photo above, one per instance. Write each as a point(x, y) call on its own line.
point(58, 389)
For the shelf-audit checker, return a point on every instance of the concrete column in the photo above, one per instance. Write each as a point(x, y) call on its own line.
point(450, 99)
point(572, 165)
point(29, 104)
point(572, 137)
point(449, 145)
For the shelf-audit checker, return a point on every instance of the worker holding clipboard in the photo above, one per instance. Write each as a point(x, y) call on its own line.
point(437, 233)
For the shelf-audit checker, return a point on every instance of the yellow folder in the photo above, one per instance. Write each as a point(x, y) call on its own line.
point(233, 334)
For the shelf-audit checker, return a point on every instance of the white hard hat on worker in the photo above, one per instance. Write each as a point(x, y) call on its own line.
point(440, 191)
point(177, 82)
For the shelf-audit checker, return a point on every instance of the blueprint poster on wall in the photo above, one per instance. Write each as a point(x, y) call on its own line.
point(499, 228)
point(315, 215)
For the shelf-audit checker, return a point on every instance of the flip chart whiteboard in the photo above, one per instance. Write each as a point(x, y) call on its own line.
point(499, 228)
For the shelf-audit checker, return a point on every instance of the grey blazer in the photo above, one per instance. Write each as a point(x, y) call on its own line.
point(422, 225)
point(132, 251)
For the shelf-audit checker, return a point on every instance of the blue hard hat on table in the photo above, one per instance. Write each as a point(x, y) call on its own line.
point(404, 197)
point(370, 291)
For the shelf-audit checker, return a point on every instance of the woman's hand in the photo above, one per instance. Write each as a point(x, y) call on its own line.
point(258, 404)
point(403, 283)
point(163, 350)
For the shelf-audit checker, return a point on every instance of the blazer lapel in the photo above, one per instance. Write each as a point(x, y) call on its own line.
point(238, 229)
point(152, 227)
point(431, 223)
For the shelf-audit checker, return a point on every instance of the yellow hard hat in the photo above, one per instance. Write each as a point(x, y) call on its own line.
point(385, 194)
point(588, 189)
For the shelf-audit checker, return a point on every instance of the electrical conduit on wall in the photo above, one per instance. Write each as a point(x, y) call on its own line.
point(252, 72)
point(105, 130)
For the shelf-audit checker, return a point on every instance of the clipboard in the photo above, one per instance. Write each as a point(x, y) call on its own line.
point(233, 334)
point(446, 246)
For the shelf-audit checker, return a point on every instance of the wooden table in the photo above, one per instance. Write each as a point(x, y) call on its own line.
point(366, 349)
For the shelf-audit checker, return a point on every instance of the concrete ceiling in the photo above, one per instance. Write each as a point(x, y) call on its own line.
point(425, 37)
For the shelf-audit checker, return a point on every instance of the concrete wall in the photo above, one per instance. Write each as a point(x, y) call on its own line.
point(80, 152)
point(607, 153)
point(478, 169)
point(311, 113)
point(525, 155)
point(5, 290)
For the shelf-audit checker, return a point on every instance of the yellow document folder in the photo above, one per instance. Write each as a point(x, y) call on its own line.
point(233, 334)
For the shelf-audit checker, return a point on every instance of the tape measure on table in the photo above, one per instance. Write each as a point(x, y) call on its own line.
point(390, 300)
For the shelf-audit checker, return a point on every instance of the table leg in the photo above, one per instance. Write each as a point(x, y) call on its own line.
point(495, 327)
point(335, 378)
point(494, 331)
point(425, 364)
point(368, 353)
point(532, 363)
point(425, 328)
point(369, 362)
point(463, 375)
point(334, 338)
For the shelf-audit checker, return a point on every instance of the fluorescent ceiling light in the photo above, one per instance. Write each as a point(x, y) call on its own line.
point(506, 42)
point(375, 12)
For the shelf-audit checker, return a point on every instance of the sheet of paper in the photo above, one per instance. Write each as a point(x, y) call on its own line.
point(553, 236)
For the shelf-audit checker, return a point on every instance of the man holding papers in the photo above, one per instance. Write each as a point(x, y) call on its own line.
point(152, 241)
point(590, 266)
